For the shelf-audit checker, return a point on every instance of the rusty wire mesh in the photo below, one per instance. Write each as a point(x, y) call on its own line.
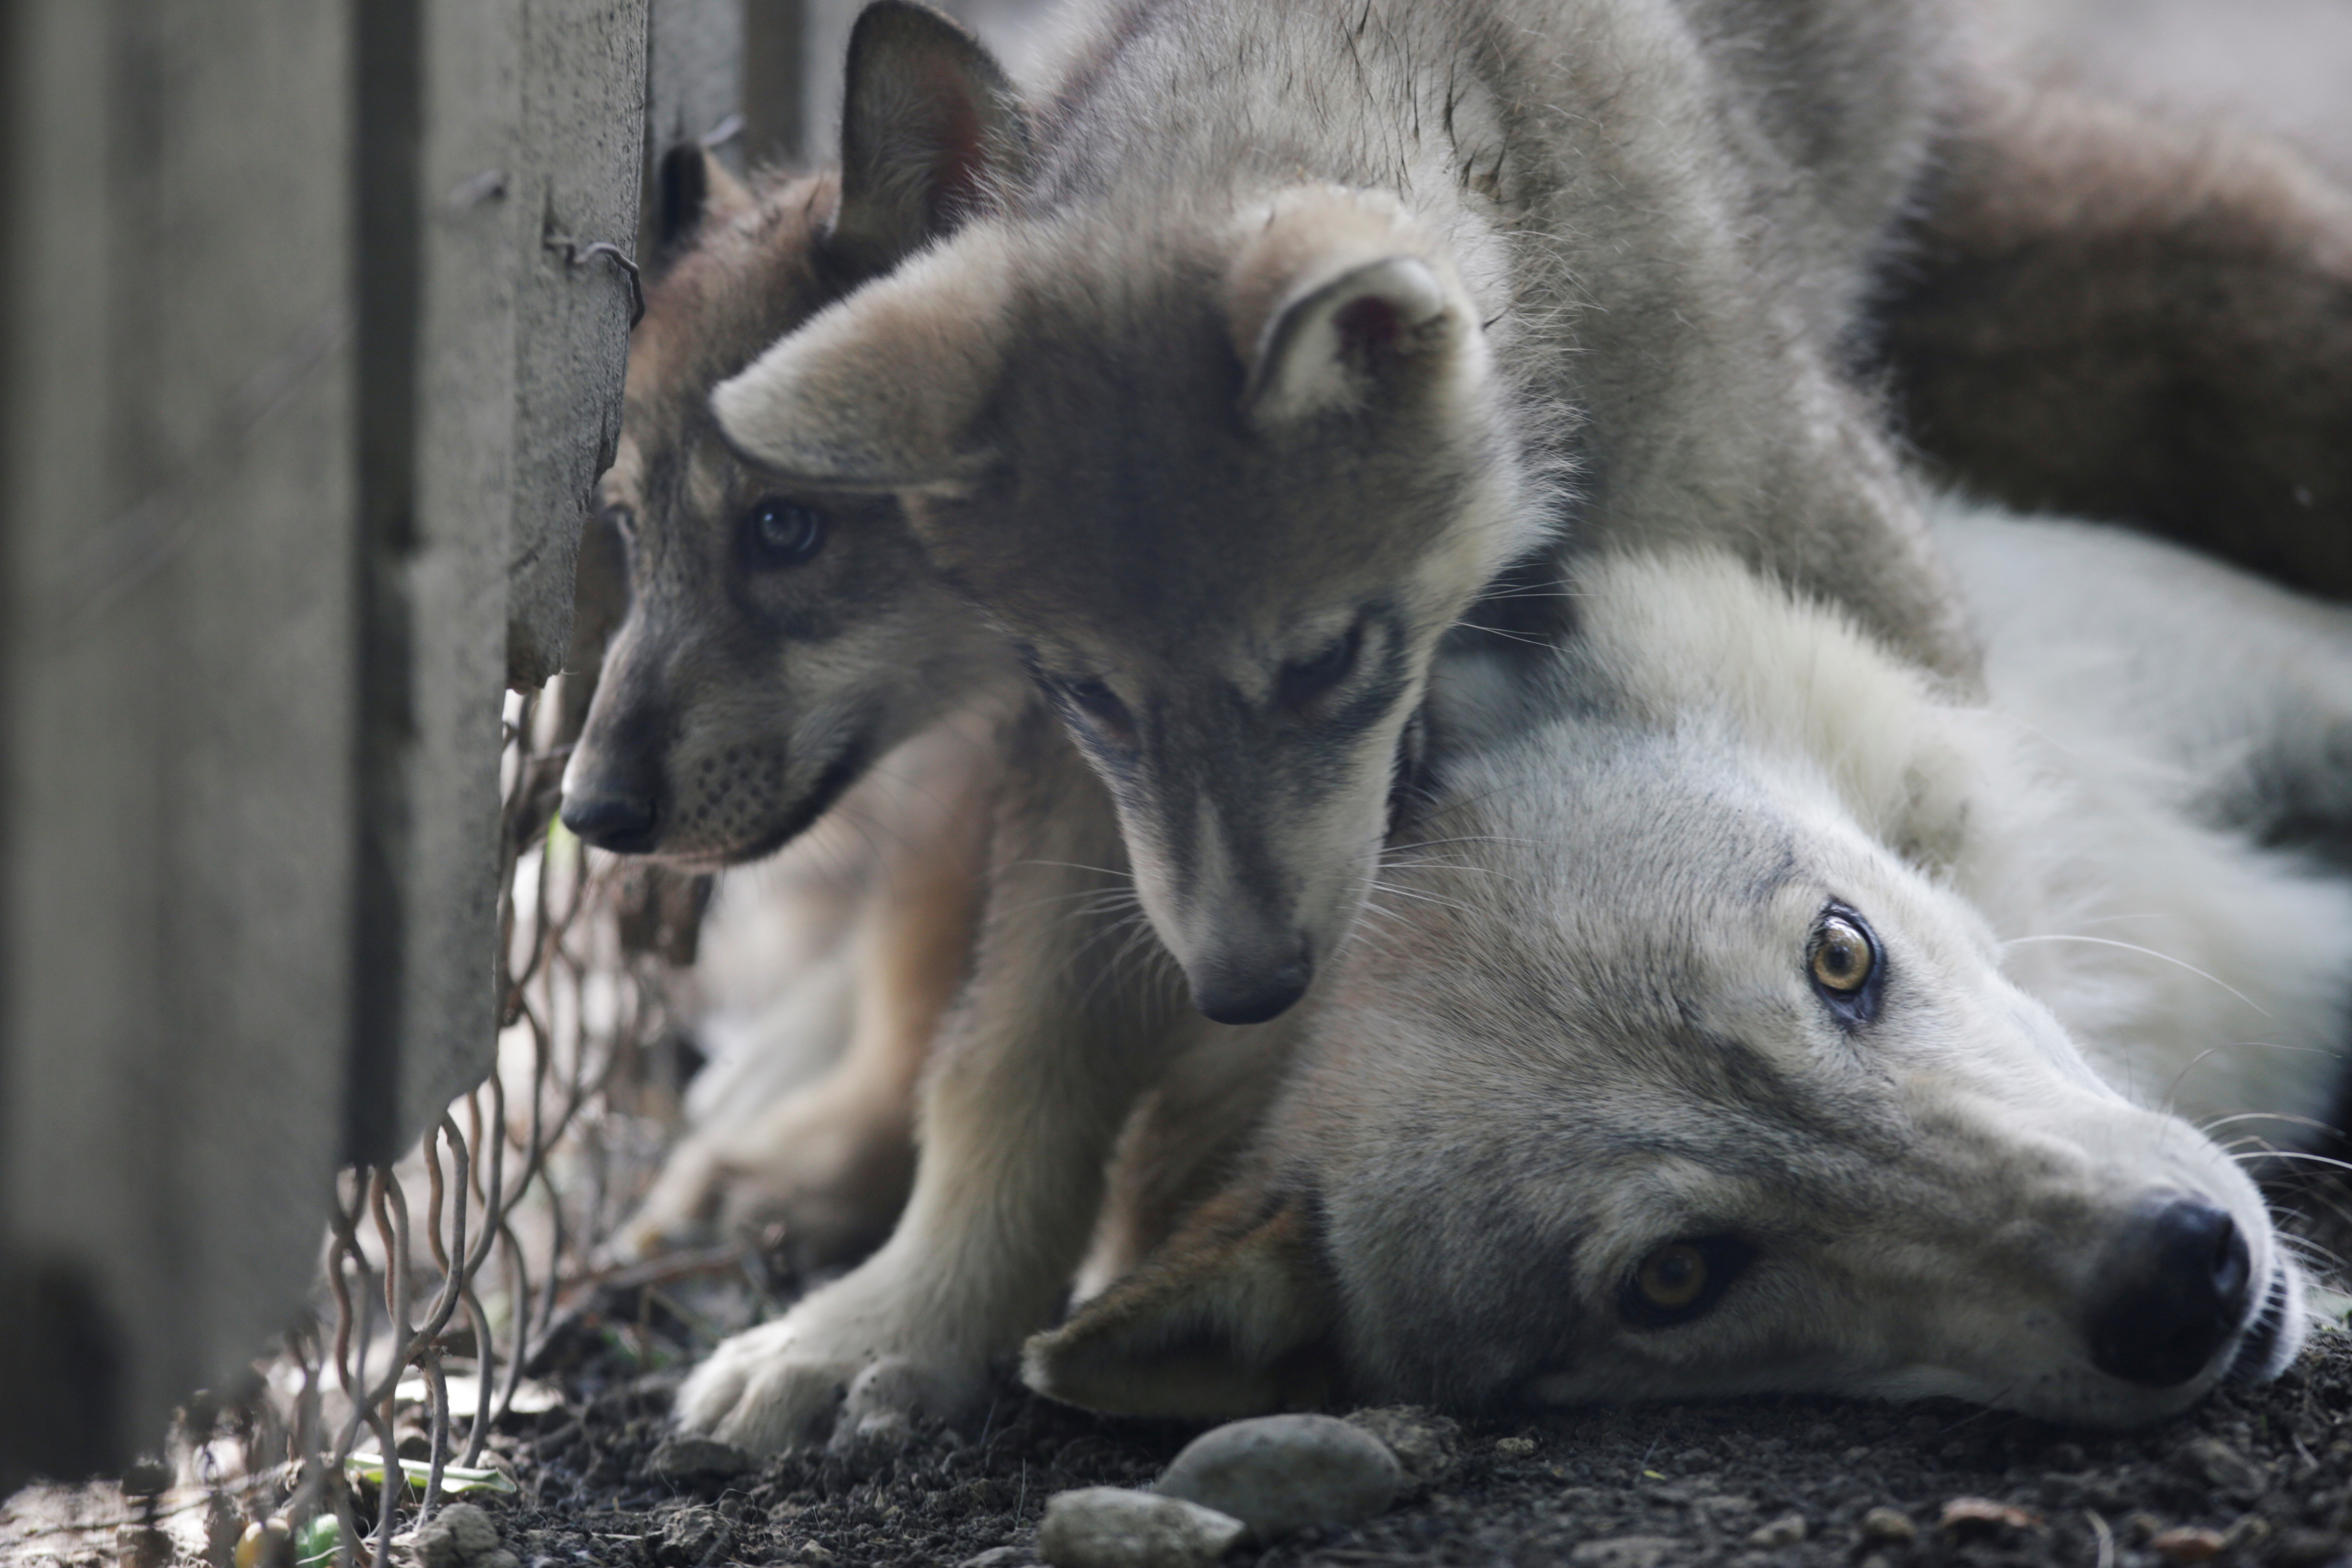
point(440, 1298)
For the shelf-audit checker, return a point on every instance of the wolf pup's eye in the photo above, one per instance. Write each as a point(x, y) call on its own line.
point(1682, 1280)
point(1843, 962)
point(1100, 704)
point(780, 533)
point(1303, 680)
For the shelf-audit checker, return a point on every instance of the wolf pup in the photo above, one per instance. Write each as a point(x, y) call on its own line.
point(780, 641)
point(1312, 319)
point(1763, 1020)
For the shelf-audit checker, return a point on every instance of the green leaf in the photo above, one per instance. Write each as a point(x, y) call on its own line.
point(454, 1478)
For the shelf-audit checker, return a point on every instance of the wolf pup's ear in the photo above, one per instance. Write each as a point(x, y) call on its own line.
point(1232, 1316)
point(1335, 302)
point(882, 390)
point(691, 187)
point(929, 124)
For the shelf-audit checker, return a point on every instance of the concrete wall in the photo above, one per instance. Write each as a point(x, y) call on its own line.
point(301, 411)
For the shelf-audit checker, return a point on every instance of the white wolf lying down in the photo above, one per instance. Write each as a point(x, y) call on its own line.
point(1758, 1020)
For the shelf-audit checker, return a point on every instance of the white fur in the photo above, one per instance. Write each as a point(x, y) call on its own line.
point(1521, 1078)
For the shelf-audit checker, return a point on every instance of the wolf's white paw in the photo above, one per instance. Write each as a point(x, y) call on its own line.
point(839, 1367)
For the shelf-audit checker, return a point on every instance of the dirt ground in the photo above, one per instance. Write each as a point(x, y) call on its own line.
point(2259, 1475)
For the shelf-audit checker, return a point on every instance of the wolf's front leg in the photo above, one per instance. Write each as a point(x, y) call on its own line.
point(1064, 1025)
point(834, 1160)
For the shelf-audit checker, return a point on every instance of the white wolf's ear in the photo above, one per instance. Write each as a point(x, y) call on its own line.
point(930, 125)
point(882, 390)
point(691, 188)
point(1230, 1316)
point(1334, 301)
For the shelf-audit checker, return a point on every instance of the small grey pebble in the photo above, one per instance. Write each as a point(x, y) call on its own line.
point(681, 1457)
point(1888, 1526)
point(814, 1555)
point(689, 1535)
point(1429, 1446)
point(1515, 1447)
point(1786, 1531)
point(2226, 1468)
point(1280, 1474)
point(461, 1536)
point(1111, 1527)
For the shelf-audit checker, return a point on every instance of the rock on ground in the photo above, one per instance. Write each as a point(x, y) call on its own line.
point(1111, 1527)
point(1427, 1445)
point(461, 1536)
point(1283, 1474)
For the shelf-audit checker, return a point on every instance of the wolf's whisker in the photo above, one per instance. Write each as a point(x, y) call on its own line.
point(2152, 953)
point(2265, 1116)
point(1072, 865)
point(1500, 632)
point(2299, 1156)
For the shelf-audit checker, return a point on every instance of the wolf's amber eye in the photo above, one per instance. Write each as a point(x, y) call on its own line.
point(1683, 1279)
point(1303, 680)
point(780, 533)
point(1100, 704)
point(1840, 956)
point(1672, 1277)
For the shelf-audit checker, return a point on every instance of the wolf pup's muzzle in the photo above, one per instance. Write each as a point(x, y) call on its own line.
point(611, 819)
point(1251, 993)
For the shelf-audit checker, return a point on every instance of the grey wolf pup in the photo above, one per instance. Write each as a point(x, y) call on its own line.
point(1311, 320)
point(1762, 1019)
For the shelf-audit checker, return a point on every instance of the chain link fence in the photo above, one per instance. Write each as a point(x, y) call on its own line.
point(444, 1276)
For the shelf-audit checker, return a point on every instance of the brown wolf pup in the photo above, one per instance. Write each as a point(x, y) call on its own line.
point(782, 644)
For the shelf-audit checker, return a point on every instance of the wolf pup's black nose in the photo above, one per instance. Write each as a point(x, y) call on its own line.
point(1254, 996)
point(2177, 1287)
point(623, 824)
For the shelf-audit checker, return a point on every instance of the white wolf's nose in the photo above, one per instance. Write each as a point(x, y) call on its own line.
point(2178, 1280)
